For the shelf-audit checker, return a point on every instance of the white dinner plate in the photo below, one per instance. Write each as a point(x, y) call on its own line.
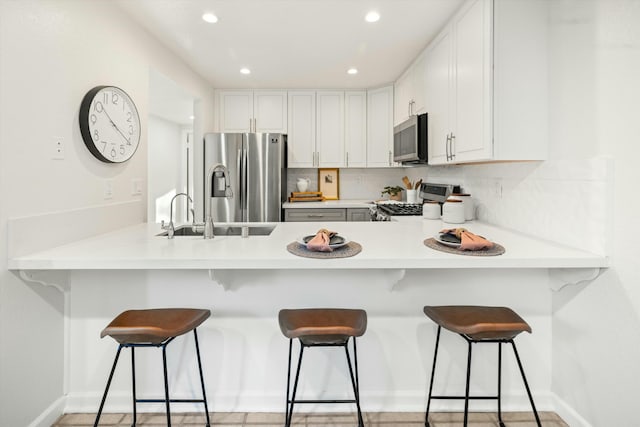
point(335, 242)
point(444, 242)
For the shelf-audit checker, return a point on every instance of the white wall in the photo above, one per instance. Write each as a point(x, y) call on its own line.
point(51, 54)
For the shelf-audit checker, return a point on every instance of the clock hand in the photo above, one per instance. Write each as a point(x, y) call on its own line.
point(115, 126)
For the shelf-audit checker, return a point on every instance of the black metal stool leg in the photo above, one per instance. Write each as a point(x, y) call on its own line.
point(433, 372)
point(295, 387)
point(526, 384)
point(286, 408)
point(500, 385)
point(106, 390)
point(204, 394)
point(466, 393)
point(166, 384)
point(356, 391)
point(133, 385)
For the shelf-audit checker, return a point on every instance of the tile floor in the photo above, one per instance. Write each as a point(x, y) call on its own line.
point(371, 419)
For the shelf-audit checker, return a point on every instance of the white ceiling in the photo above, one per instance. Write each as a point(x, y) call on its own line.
point(294, 43)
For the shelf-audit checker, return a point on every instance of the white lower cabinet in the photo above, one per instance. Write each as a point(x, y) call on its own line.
point(326, 214)
point(486, 86)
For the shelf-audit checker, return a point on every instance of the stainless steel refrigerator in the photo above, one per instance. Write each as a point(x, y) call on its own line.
point(256, 166)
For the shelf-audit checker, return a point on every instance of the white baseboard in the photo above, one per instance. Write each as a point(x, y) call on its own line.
point(51, 414)
point(274, 402)
point(568, 414)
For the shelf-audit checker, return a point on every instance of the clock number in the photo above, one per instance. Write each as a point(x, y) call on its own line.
point(130, 129)
point(122, 149)
point(93, 119)
point(114, 98)
point(104, 147)
point(129, 116)
point(95, 134)
point(99, 107)
point(113, 153)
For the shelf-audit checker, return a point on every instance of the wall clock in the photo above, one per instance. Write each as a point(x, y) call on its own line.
point(110, 124)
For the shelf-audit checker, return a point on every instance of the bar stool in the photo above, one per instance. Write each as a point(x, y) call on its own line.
point(478, 324)
point(154, 328)
point(322, 327)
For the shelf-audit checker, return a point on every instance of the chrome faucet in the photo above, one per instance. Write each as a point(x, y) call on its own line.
point(170, 228)
point(208, 220)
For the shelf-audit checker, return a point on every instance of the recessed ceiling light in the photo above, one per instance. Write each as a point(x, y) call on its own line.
point(245, 71)
point(191, 117)
point(372, 16)
point(352, 71)
point(210, 17)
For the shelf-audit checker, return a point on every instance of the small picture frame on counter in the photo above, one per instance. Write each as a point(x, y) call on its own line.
point(329, 183)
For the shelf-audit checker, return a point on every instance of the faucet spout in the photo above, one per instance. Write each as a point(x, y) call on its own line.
point(208, 220)
point(171, 228)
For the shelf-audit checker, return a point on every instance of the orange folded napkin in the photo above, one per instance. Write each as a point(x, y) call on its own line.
point(468, 240)
point(321, 241)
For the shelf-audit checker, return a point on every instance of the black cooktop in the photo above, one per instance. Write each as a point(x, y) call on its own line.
point(401, 208)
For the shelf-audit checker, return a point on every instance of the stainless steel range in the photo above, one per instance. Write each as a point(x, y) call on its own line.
point(437, 192)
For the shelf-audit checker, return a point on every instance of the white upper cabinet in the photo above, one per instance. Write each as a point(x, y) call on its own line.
point(485, 84)
point(330, 129)
point(380, 127)
point(355, 135)
point(409, 92)
point(301, 140)
point(252, 111)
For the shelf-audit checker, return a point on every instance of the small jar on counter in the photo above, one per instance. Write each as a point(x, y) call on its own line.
point(453, 211)
point(431, 210)
point(467, 201)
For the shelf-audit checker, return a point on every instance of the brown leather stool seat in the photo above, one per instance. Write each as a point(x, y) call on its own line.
point(322, 327)
point(154, 328)
point(154, 325)
point(479, 324)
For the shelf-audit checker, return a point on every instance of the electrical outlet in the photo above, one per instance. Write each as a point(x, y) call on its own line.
point(497, 189)
point(108, 189)
point(58, 148)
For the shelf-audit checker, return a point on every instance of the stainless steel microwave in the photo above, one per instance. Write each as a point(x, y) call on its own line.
point(410, 140)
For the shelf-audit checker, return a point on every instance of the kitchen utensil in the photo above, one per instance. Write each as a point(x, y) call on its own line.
point(417, 184)
point(407, 183)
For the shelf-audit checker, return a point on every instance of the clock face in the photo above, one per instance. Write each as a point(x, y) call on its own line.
point(109, 124)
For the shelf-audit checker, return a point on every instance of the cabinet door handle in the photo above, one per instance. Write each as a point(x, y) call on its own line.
point(453, 147)
point(447, 146)
point(347, 159)
point(389, 157)
point(315, 216)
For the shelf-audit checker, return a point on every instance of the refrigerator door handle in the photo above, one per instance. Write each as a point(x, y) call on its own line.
point(244, 178)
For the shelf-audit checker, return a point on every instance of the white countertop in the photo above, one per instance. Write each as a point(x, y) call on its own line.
point(386, 245)
point(327, 204)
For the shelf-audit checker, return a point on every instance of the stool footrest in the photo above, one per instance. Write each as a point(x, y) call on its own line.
point(323, 401)
point(464, 397)
point(170, 400)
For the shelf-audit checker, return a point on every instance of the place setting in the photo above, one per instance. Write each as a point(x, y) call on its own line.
point(461, 241)
point(324, 244)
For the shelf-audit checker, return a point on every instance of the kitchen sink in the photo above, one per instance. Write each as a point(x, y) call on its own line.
point(223, 230)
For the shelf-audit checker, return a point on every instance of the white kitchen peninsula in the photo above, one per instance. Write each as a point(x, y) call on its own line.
point(244, 353)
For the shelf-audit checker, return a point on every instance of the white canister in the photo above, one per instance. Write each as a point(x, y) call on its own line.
point(412, 196)
point(453, 211)
point(469, 205)
point(431, 210)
